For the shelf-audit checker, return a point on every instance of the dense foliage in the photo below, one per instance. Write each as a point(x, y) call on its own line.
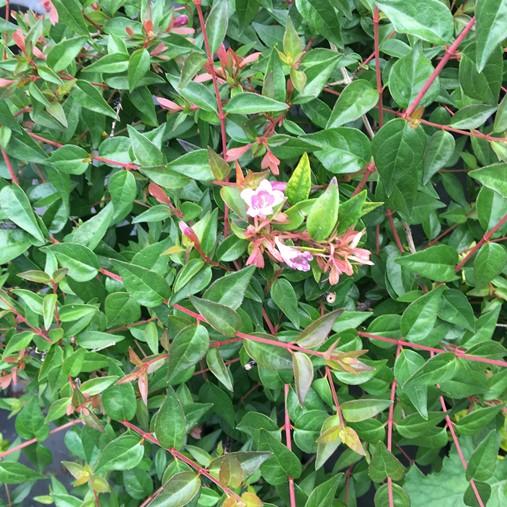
point(252, 252)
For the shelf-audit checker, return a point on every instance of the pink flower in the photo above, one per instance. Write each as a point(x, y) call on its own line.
point(293, 257)
point(262, 200)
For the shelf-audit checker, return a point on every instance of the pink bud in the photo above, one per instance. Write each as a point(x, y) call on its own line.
point(181, 21)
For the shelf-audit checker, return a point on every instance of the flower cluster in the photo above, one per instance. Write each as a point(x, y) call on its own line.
point(335, 256)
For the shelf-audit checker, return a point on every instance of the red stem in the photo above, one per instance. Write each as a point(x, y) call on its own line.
point(448, 53)
point(335, 396)
point(458, 447)
point(12, 173)
point(378, 73)
point(181, 457)
point(457, 353)
point(370, 169)
point(287, 427)
point(389, 214)
point(33, 440)
point(484, 239)
point(221, 115)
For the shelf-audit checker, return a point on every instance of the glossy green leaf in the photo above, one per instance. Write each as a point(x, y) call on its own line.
point(230, 290)
point(303, 375)
point(384, 464)
point(322, 17)
point(217, 367)
point(122, 453)
point(187, 349)
point(299, 184)
point(61, 55)
point(284, 296)
point(70, 159)
point(216, 24)
point(482, 462)
point(407, 77)
point(251, 103)
point(123, 190)
point(398, 151)
point(472, 117)
point(178, 491)
point(316, 333)
point(90, 98)
point(438, 152)
point(477, 420)
point(434, 24)
point(145, 286)
point(16, 473)
point(323, 215)
point(91, 232)
point(491, 16)
point(268, 356)
point(220, 317)
point(436, 263)
point(493, 176)
point(82, 264)
point(363, 409)
point(139, 65)
point(70, 12)
point(489, 262)
point(170, 422)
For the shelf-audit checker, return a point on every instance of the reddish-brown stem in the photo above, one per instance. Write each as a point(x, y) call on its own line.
point(114, 276)
point(288, 439)
point(33, 440)
point(135, 324)
point(221, 114)
point(333, 393)
point(390, 423)
point(370, 169)
point(12, 173)
point(378, 72)
point(181, 457)
point(457, 353)
point(458, 447)
point(448, 230)
point(389, 214)
point(268, 322)
point(441, 64)
point(484, 239)
point(126, 165)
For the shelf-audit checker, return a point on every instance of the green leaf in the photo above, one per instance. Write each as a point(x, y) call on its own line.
point(216, 24)
point(356, 99)
point(408, 76)
point(251, 103)
point(303, 375)
point(30, 421)
point(82, 264)
point(323, 215)
point(268, 356)
point(316, 333)
point(282, 463)
point(436, 263)
point(489, 262)
point(219, 167)
point(217, 367)
point(363, 409)
point(178, 491)
point(146, 287)
point(438, 152)
point(91, 232)
point(383, 464)
point(472, 117)
point(139, 66)
point(322, 17)
point(123, 190)
point(119, 402)
point(477, 420)
point(110, 64)
point(121, 309)
point(438, 369)
point(455, 308)
point(61, 55)
point(350, 320)
point(398, 151)
point(70, 159)
point(122, 453)
point(246, 11)
point(414, 425)
point(323, 494)
point(433, 24)
point(90, 98)
point(15, 206)
point(500, 124)
point(220, 317)
point(492, 176)
point(97, 385)
point(70, 13)
point(300, 182)
point(230, 289)
point(482, 462)
point(170, 422)
point(145, 151)
point(187, 349)
point(420, 317)
point(194, 165)
point(284, 296)
point(491, 16)
point(400, 498)
point(48, 309)
point(16, 473)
